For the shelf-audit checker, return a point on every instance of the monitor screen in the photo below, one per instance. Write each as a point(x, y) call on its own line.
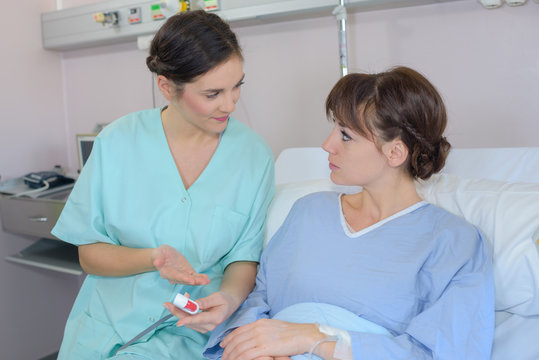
point(85, 142)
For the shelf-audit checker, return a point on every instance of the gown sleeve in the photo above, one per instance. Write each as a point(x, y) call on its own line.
point(457, 320)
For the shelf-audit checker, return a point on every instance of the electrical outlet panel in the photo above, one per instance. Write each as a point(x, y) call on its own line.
point(98, 24)
point(157, 12)
point(211, 5)
point(135, 15)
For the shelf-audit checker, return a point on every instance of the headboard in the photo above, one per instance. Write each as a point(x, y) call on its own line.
point(502, 164)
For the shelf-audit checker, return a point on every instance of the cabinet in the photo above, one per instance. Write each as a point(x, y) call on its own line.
point(36, 217)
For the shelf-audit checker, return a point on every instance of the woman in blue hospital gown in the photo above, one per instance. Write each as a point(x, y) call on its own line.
point(171, 200)
point(384, 255)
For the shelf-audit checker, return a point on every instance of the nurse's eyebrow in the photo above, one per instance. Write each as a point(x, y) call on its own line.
point(219, 90)
point(241, 80)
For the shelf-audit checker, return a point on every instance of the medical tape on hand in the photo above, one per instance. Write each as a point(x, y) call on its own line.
point(343, 347)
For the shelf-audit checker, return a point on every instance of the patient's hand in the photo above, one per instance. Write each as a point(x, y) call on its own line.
point(267, 338)
point(175, 268)
point(216, 308)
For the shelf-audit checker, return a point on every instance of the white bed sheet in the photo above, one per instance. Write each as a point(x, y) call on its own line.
point(516, 337)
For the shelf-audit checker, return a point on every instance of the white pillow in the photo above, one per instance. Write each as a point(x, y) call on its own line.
point(287, 194)
point(506, 213)
point(508, 216)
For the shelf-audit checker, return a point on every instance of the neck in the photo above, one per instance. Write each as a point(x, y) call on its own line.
point(384, 200)
point(178, 130)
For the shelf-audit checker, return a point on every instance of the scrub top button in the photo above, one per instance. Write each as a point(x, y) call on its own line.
point(152, 320)
point(184, 199)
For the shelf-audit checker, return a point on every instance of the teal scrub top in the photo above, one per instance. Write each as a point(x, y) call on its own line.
point(130, 193)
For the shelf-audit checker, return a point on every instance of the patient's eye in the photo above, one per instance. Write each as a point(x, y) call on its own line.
point(345, 136)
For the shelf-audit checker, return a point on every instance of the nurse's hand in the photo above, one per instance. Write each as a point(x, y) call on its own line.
point(216, 308)
point(175, 268)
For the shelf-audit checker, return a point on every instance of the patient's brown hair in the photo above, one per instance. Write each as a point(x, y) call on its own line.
point(399, 103)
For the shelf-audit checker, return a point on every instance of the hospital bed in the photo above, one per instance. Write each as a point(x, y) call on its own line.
point(497, 189)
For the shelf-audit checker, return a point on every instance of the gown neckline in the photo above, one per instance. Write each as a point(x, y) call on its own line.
point(355, 234)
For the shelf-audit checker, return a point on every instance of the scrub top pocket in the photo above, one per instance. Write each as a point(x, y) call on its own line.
point(94, 339)
point(225, 229)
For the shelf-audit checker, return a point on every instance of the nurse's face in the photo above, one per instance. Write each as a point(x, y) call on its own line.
point(353, 159)
point(207, 102)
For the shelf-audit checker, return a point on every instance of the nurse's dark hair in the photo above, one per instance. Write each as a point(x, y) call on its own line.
point(190, 44)
point(399, 103)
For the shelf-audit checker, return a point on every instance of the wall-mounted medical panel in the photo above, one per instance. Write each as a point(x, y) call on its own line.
point(115, 21)
point(99, 24)
point(251, 12)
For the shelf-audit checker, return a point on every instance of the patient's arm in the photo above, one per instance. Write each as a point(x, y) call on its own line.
point(271, 337)
point(115, 260)
point(457, 321)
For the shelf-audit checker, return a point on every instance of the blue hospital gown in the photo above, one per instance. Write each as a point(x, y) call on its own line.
point(423, 274)
point(130, 193)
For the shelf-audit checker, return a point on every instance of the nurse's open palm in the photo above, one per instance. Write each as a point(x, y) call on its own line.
point(175, 268)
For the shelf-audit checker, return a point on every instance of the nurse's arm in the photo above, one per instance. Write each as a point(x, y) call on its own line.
point(239, 280)
point(115, 260)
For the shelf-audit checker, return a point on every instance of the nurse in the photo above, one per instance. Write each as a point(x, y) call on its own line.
point(171, 200)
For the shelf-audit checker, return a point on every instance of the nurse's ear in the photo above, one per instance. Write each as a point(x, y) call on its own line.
point(167, 87)
point(396, 152)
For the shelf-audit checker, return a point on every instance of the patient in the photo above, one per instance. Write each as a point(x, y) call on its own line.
point(419, 278)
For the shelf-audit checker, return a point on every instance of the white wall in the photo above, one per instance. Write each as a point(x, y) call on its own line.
point(484, 62)
point(101, 85)
point(33, 125)
point(34, 304)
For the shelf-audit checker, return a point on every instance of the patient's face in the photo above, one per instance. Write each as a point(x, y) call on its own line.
point(353, 158)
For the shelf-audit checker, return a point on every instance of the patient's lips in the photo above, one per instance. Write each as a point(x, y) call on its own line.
point(333, 167)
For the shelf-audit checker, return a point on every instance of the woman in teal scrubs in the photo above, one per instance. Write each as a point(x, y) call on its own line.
point(171, 201)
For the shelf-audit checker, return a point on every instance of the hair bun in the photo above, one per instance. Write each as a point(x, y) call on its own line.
point(190, 44)
point(152, 62)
